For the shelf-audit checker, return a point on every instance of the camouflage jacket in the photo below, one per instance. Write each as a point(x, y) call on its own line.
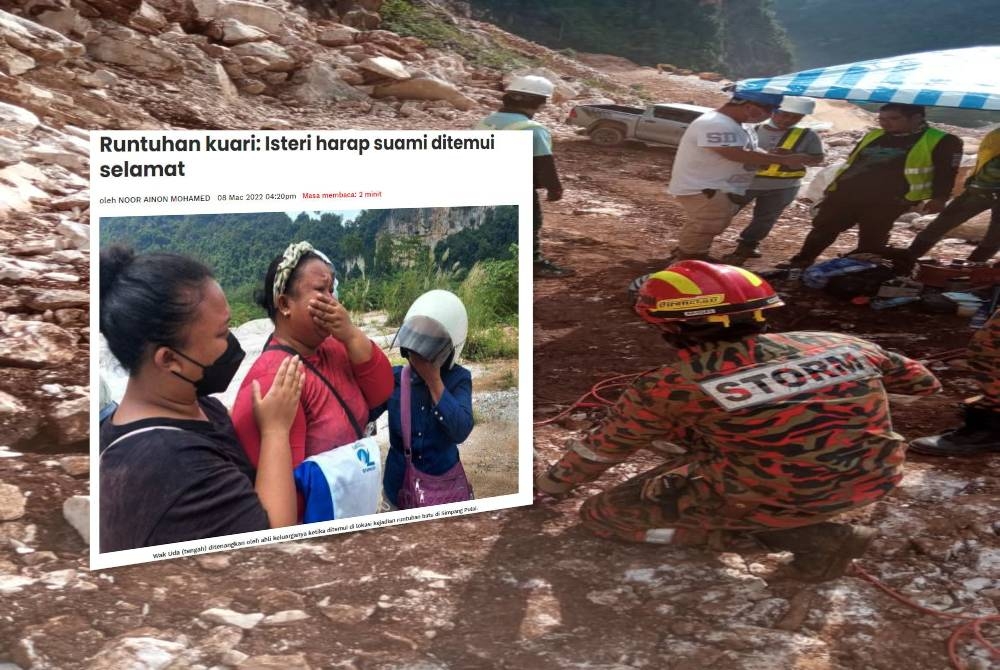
point(984, 358)
point(787, 423)
point(984, 349)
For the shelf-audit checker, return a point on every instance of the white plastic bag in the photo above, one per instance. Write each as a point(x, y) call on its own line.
point(341, 483)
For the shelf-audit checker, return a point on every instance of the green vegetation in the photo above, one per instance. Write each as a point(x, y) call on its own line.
point(488, 290)
point(377, 271)
point(437, 28)
point(833, 32)
point(490, 295)
point(754, 43)
point(829, 32)
point(737, 37)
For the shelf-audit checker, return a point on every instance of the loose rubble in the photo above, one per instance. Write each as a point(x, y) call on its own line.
point(523, 587)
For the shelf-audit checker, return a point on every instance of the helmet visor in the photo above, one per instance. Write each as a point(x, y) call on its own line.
point(427, 337)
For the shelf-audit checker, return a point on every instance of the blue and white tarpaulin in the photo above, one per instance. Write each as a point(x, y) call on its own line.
point(967, 78)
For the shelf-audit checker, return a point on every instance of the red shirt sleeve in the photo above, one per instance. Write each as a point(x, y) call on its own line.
point(374, 377)
point(263, 371)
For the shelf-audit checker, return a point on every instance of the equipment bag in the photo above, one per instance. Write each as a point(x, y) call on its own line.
point(866, 282)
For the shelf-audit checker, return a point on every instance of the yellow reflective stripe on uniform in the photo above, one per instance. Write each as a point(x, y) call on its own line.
point(789, 141)
point(919, 162)
point(869, 137)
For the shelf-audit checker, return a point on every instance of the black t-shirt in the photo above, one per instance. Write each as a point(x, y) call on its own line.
point(877, 174)
point(167, 485)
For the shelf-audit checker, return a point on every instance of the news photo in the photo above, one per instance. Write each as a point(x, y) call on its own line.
point(296, 342)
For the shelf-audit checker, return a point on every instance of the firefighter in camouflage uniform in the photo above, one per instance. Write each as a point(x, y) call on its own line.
point(981, 432)
point(769, 434)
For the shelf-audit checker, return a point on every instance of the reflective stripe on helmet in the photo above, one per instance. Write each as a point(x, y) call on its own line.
point(700, 291)
point(678, 281)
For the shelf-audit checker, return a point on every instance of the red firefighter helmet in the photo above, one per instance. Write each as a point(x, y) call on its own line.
point(696, 291)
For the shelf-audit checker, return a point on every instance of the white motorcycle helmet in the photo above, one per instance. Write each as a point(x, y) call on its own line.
point(532, 84)
point(435, 327)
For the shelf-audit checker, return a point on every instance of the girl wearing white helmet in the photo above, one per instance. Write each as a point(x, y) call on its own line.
point(423, 466)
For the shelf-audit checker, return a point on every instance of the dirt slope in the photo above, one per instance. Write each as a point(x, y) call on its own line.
point(526, 588)
point(616, 223)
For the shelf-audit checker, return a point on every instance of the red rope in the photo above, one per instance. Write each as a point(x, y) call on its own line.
point(584, 402)
point(972, 623)
point(946, 355)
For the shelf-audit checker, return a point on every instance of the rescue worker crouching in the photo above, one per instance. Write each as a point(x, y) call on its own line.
point(767, 434)
point(522, 99)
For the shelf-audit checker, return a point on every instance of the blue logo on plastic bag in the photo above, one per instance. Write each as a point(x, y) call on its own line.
point(365, 458)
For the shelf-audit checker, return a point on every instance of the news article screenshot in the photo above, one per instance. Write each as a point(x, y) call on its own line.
point(305, 333)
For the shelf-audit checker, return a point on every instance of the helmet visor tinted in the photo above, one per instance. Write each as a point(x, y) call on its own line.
point(427, 337)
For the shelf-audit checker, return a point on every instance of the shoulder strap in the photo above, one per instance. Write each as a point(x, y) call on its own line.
point(934, 134)
point(792, 138)
point(288, 350)
point(404, 409)
point(131, 433)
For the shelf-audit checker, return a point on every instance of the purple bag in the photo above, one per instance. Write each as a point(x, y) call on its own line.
point(419, 489)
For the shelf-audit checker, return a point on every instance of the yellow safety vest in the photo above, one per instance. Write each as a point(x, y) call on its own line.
point(988, 150)
point(919, 167)
point(776, 170)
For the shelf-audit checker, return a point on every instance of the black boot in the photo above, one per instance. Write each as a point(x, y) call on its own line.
point(546, 269)
point(979, 435)
point(793, 263)
point(823, 551)
point(742, 253)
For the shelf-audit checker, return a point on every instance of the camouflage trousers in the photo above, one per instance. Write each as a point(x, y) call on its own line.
point(984, 359)
point(991, 394)
point(665, 505)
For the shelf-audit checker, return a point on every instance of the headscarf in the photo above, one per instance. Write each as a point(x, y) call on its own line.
point(289, 260)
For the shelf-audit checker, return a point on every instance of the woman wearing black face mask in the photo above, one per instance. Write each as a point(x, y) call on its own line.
point(171, 468)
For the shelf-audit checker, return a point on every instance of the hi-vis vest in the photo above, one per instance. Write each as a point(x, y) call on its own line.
point(790, 141)
point(919, 167)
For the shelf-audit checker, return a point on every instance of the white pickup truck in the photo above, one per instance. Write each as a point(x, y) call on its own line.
point(610, 125)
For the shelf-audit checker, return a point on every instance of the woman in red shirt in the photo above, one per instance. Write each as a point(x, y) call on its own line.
point(299, 296)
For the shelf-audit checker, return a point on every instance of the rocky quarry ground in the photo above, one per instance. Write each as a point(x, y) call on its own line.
point(519, 588)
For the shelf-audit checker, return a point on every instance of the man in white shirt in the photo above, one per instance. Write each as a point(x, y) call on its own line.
point(774, 187)
point(715, 163)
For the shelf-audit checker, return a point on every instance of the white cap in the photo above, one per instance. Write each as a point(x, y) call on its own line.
point(435, 326)
point(797, 105)
point(533, 84)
